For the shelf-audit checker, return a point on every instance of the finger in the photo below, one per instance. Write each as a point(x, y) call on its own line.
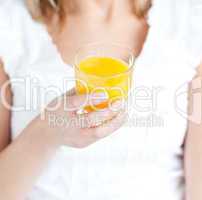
point(71, 92)
point(118, 105)
point(77, 102)
point(110, 126)
point(95, 119)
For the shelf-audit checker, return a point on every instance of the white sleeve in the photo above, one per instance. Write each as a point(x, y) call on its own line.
point(10, 42)
point(194, 37)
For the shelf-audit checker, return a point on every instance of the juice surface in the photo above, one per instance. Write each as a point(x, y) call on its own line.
point(104, 74)
point(103, 66)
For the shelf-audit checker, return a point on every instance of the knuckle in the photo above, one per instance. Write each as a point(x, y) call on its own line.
point(80, 145)
point(99, 134)
point(96, 133)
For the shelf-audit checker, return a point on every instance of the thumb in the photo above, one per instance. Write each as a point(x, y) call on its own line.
point(76, 102)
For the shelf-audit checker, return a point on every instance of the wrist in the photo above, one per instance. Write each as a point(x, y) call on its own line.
point(48, 132)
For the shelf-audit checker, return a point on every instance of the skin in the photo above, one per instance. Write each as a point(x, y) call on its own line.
point(39, 141)
point(5, 120)
point(193, 142)
point(109, 20)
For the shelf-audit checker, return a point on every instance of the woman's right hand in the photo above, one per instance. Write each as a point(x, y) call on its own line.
point(81, 130)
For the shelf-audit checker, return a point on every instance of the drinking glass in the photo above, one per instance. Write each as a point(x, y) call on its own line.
point(106, 68)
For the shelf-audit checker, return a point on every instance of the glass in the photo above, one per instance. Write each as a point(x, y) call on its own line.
point(106, 68)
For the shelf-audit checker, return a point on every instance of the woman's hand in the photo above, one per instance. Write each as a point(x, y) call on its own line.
point(39, 141)
point(81, 130)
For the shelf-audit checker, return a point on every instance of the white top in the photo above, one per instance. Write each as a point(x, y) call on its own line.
point(138, 162)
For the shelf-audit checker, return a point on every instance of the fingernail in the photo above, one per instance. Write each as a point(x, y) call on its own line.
point(117, 105)
point(98, 101)
point(100, 95)
point(98, 98)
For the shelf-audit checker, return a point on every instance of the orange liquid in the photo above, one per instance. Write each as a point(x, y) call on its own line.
point(103, 74)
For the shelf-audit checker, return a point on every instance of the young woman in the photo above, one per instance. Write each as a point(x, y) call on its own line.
point(38, 38)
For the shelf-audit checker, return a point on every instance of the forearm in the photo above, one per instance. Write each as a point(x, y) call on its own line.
point(23, 161)
point(193, 163)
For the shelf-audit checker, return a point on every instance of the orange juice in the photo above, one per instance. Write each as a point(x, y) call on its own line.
point(103, 74)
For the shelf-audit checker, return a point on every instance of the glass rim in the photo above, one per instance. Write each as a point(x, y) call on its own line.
point(131, 67)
